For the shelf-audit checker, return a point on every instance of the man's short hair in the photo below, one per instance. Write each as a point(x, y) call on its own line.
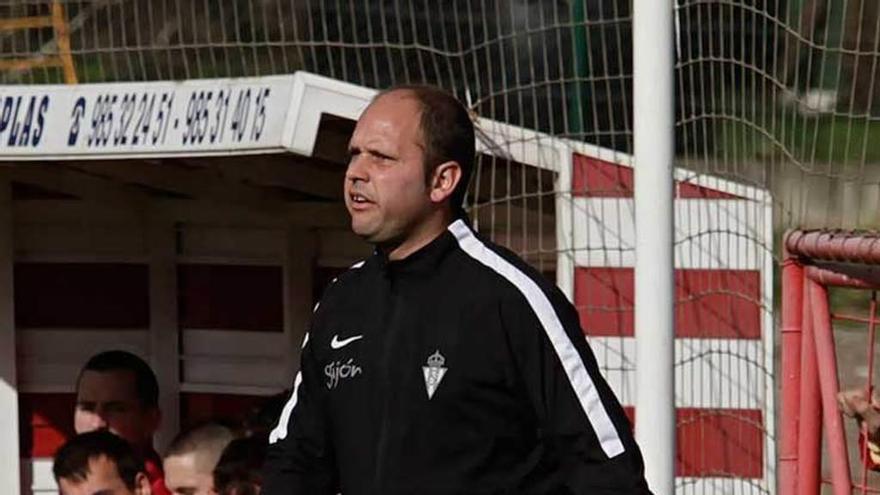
point(239, 470)
point(447, 131)
point(72, 459)
point(207, 439)
point(146, 385)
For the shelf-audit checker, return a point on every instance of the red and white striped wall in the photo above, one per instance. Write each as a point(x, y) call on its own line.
point(724, 341)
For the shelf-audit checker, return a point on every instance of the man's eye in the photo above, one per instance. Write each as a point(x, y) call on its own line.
point(86, 407)
point(116, 408)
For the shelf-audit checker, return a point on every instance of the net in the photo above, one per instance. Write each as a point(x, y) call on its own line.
point(775, 93)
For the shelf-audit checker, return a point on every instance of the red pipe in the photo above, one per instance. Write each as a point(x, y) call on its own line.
point(846, 246)
point(792, 315)
point(872, 323)
point(827, 363)
point(810, 426)
point(850, 276)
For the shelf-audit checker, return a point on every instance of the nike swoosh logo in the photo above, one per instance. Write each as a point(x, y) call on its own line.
point(339, 344)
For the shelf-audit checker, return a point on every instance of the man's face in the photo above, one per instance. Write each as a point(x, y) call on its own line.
point(186, 475)
point(385, 188)
point(103, 479)
point(108, 399)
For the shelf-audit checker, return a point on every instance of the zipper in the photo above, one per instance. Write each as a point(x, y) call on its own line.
point(384, 385)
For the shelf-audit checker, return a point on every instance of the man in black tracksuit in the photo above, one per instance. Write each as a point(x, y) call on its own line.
point(443, 364)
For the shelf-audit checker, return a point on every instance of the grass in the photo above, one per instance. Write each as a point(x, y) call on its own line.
point(809, 139)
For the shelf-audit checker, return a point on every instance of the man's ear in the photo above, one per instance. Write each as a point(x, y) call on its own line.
point(142, 485)
point(446, 177)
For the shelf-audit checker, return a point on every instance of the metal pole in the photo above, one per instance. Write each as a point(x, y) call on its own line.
point(810, 424)
point(792, 327)
point(653, 128)
point(835, 436)
point(578, 99)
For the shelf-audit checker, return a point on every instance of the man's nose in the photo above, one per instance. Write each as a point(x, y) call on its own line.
point(98, 419)
point(357, 169)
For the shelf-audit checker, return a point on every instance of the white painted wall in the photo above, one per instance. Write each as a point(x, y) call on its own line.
point(9, 464)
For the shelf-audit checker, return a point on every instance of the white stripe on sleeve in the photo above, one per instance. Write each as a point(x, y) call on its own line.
point(280, 430)
point(571, 361)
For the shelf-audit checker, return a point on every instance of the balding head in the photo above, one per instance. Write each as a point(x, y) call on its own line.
point(446, 129)
point(192, 456)
point(410, 157)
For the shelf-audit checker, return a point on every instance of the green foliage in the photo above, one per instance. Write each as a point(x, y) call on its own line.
point(842, 140)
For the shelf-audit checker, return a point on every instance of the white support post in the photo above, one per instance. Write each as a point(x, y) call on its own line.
point(164, 331)
point(299, 261)
point(10, 481)
point(565, 255)
point(653, 129)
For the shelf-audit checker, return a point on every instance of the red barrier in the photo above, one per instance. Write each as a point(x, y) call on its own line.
point(814, 261)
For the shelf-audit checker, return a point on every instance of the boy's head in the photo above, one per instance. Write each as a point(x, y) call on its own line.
point(99, 462)
point(239, 470)
point(192, 456)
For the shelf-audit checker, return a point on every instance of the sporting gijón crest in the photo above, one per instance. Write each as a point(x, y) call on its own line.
point(434, 372)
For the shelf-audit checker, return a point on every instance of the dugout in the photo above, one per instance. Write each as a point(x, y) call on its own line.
point(195, 224)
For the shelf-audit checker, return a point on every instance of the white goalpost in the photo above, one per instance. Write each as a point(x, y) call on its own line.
point(653, 154)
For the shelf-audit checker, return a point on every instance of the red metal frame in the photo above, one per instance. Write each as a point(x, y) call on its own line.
point(826, 362)
point(872, 324)
point(813, 261)
point(810, 439)
point(834, 246)
point(792, 328)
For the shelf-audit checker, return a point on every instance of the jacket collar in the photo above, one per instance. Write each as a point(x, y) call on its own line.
point(426, 258)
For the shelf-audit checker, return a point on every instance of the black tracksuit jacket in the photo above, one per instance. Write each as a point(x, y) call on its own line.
point(457, 370)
